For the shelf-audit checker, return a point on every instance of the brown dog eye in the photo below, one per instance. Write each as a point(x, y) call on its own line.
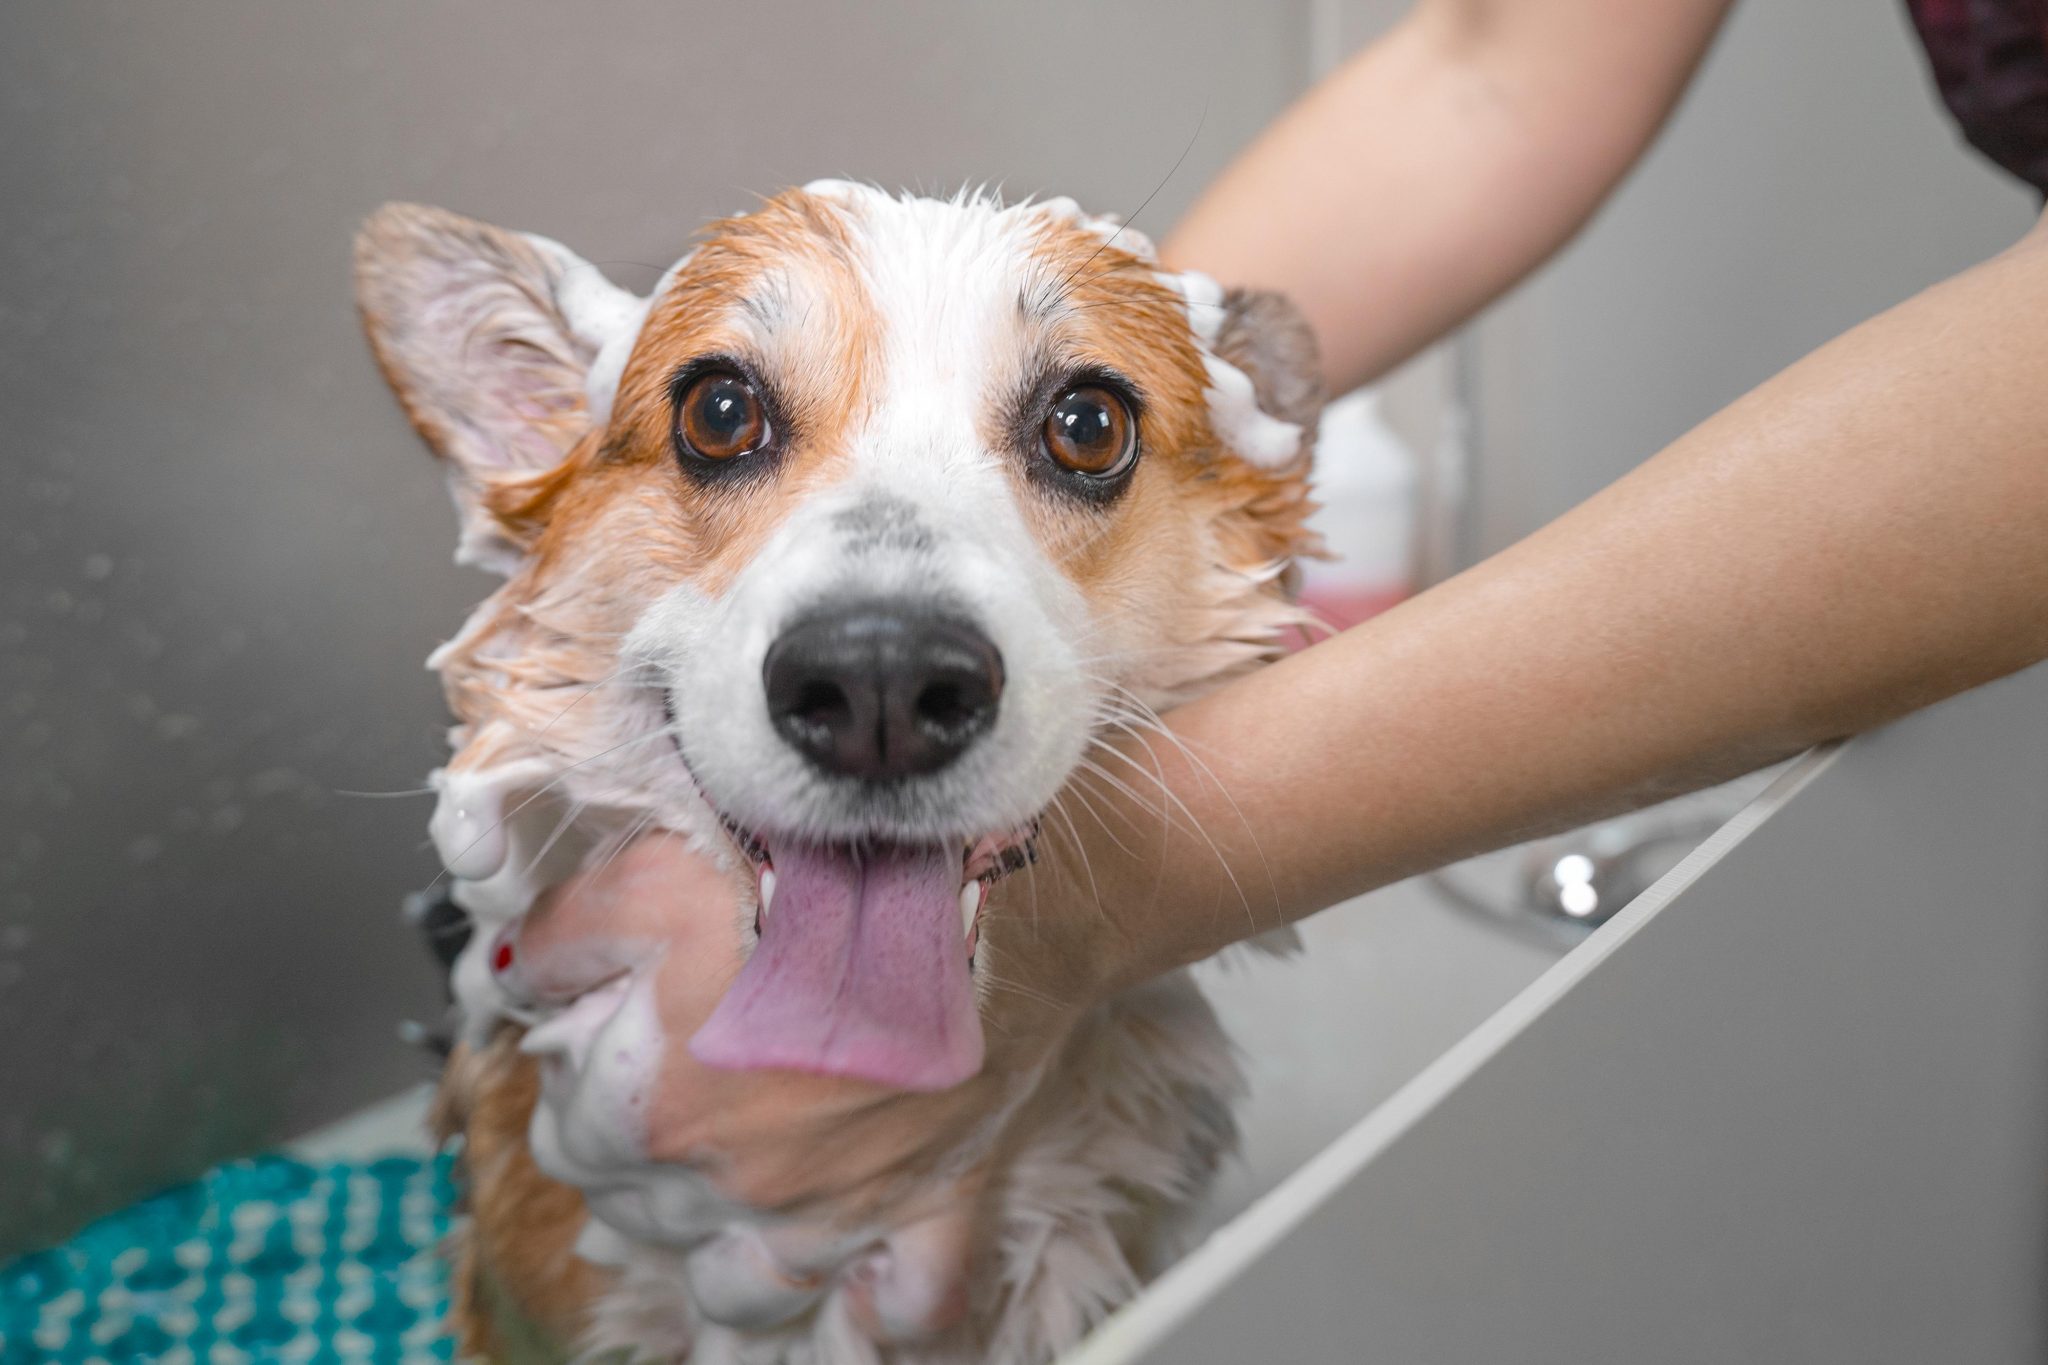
point(1090, 431)
point(719, 417)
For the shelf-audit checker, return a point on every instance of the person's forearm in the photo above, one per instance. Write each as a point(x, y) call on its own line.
point(1442, 164)
point(1862, 535)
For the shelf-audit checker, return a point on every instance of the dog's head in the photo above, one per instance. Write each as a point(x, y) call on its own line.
point(881, 509)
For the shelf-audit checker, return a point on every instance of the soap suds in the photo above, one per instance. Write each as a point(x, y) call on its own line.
point(504, 835)
point(1234, 412)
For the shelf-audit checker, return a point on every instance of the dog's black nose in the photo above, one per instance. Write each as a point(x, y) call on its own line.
point(880, 692)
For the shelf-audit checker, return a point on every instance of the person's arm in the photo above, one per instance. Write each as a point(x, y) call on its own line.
point(1442, 164)
point(1862, 535)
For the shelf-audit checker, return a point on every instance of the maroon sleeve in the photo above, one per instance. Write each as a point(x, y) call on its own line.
point(1990, 60)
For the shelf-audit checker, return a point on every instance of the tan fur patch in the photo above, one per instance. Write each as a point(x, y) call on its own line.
point(519, 1245)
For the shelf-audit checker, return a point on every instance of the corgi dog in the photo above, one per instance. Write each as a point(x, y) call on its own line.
point(837, 557)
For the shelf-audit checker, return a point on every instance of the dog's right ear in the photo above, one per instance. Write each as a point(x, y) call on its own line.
point(501, 347)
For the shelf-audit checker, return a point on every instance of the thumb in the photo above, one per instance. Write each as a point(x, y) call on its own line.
point(655, 898)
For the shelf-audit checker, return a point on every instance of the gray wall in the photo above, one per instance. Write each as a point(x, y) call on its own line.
point(1809, 181)
point(223, 556)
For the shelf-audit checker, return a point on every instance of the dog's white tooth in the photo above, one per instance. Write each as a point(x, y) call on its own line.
point(767, 890)
point(970, 903)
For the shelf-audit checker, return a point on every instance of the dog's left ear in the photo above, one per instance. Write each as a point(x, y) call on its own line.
point(1266, 336)
point(490, 339)
point(1266, 401)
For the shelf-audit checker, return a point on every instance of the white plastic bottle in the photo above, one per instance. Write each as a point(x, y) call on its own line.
point(1365, 479)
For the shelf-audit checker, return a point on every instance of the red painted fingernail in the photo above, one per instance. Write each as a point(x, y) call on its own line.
point(501, 960)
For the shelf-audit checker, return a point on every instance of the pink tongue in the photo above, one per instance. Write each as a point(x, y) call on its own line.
point(861, 971)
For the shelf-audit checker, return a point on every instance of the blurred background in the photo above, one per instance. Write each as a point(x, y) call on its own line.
point(223, 556)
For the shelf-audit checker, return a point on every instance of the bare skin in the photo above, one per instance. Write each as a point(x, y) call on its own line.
point(1442, 164)
point(1859, 537)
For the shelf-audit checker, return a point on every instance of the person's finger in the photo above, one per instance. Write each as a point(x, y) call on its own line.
point(655, 899)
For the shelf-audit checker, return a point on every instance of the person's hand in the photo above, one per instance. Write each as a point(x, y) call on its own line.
point(663, 926)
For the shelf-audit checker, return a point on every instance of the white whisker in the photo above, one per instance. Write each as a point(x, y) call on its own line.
point(1156, 725)
point(585, 694)
point(1080, 849)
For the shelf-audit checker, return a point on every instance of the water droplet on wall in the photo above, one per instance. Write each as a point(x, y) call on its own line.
point(145, 642)
point(273, 782)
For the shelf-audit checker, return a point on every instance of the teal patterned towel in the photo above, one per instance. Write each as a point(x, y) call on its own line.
point(262, 1260)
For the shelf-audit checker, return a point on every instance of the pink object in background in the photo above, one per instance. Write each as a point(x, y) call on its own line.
point(1365, 481)
point(1341, 610)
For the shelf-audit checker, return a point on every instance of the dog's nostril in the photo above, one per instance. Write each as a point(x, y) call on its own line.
point(821, 703)
point(879, 692)
point(944, 705)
